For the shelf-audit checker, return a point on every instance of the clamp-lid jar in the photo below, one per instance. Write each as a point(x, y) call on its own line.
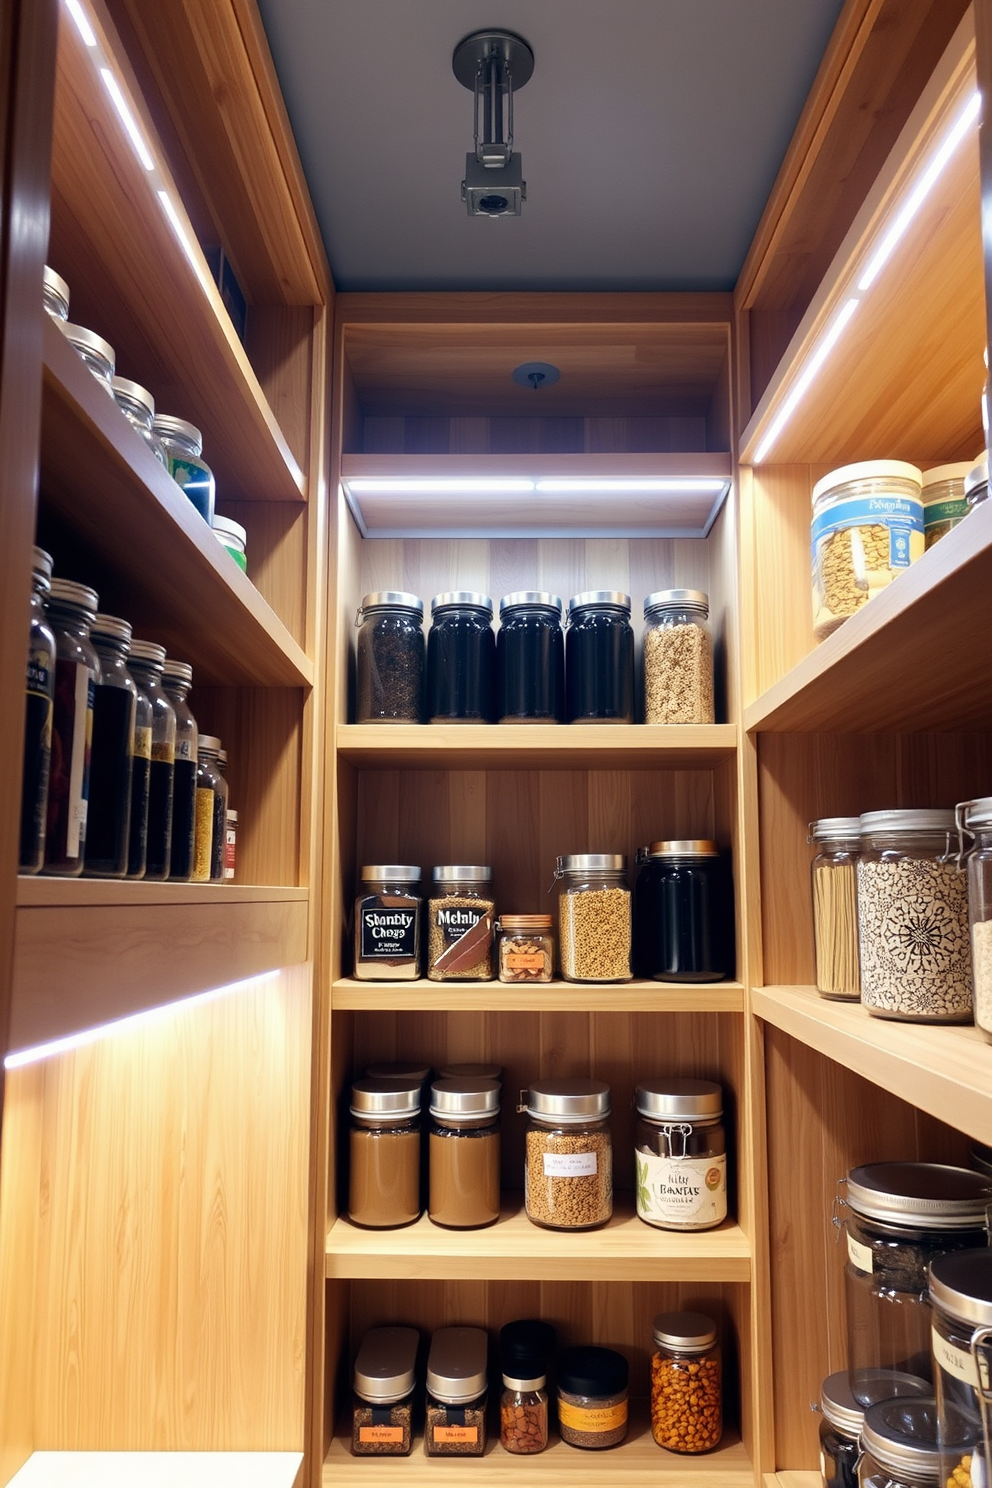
point(680, 1149)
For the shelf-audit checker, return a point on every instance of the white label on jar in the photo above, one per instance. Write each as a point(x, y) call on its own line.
point(859, 1255)
point(959, 1363)
point(569, 1164)
point(684, 1190)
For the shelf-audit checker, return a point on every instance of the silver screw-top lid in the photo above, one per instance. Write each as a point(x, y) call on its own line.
point(461, 598)
point(530, 599)
point(901, 1435)
point(842, 1408)
point(461, 1101)
point(167, 425)
point(677, 599)
point(471, 1072)
point(400, 1069)
point(684, 847)
point(378, 1097)
point(222, 758)
point(209, 745)
point(177, 671)
point(151, 654)
point(111, 628)
point(874, 823)
point(75, 597)
point(961, 1284)
point(391, 872)
point(391, 599)
point(386, 1366)
point(135, 392)
point(832, 828)
point(691, 1331)
point(667, 1100)
point(456, 1367)
point(977, 813)
point(461, 873)
point(41, 567)
point(568, 1101)
point(977, 476)
point(612, 598)
point(85, 340)
point(592, 863)
point(924, 1196)
point(57, 285)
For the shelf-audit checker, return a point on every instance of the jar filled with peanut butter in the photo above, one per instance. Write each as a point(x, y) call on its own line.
point(464, 1153)
point(384, 1172)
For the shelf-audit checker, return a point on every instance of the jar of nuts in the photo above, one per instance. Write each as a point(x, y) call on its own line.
point(526, 948)
point(678, 657)
point(594, 920)
point(568, 1176)
point(523, 1415)
point(686, 1383)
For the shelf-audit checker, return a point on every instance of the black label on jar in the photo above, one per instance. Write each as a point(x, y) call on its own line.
point(388, 934)
point(454, 923)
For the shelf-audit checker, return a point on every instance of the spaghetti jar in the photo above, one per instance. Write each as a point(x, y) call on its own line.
point(867, 527)
point(680, 1154)
point(384, 1381)
point(568, 1176)
point(71, 610)
point(461, 919)
point(594, 920)
point(686, 1383)
point(40, 690)
point(456, 1393)
point(384, 1146)
point(834, 874)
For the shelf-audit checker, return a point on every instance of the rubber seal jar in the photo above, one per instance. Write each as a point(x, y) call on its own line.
point(686, 1383)
point(680, 1154)
point(568, 1172)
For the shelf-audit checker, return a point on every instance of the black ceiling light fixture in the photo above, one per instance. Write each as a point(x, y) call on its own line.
point(492, 64)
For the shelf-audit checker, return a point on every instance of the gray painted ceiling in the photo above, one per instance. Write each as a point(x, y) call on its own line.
point(651, 134)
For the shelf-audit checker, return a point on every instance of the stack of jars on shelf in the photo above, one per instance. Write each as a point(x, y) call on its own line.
point(678, 926)
point(588, 1396)
point(118, 782)
point(909, 1412)
point(532, 670)
point(679, 1140)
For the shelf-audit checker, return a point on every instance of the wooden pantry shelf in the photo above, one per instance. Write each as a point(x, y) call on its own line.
point(513, 1249)
point(537, 997)
point(106, 502)
point(572, 746)
point(946, 1071)
point(793, 1479)
point(159, 1470)
point(908, 660)
point(88, 952)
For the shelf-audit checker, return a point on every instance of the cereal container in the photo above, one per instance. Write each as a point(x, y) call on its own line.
point(594, 920)
point(568, 1175)
point(385, 1376)
point(686, 1383)
point(678, 657)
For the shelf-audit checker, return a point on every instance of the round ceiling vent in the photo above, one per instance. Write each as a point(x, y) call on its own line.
point(536, 375)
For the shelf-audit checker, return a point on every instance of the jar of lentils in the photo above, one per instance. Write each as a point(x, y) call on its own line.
point(678, 657)
point(592, 1397)
point(915, 946)
point(568, 1174)
point(390, 660)
point(686, 1383)
point(975, 820)
point(594, 920)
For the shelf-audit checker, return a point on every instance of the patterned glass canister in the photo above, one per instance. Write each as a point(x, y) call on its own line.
point(975, 821)
point(834, 872)
point(680, 1152)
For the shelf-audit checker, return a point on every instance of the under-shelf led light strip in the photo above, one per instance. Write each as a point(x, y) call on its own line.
point(522, 486)
point(883, 251)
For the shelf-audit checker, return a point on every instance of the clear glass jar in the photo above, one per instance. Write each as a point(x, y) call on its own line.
point(944, 501)
point(147, 664)
point(568, 1171)
point(680, 1152)
point(108, 820)
point(211, 814)
point(233, 538)
point(384, 1148)
point(834, 877)
point(523, 1415)
point(183, 446)
point(526, 948)
point(974, 820)
point(177, 679)
point(915, 946)
point(464, 1153)
point(55, 294)
point(95, 352)
point(897, 1218)
point(138, 407)
point(388, 913)
point(390, 658)
point(599, 658)
point(70, 610)
point(678, 657)
point(686, 1383)
point(39, 694)
point(842, 1418)
point(456, 1393)
point(141, 764)
point(594, 920)
point(231, 847)
point(867, 529)
point(461, 659)
point(961, 1304)
point(899, 1445)
point(384, 1381)
point(461, 923)
point(530, 659)
point(683, 913)
point(592, 1397)
point(976, 483)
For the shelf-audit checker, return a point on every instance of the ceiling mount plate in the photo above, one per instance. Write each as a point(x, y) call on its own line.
point(516, 55)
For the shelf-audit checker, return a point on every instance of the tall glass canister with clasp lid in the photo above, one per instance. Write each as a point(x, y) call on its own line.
point(681, 1154)
point(834, 873)
point(40, 690)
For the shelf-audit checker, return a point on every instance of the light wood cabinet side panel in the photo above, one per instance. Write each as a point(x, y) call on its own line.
point(20, 1223)
point(783, 616)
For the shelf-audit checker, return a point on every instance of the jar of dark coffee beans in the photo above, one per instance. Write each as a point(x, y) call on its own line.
point(390, 658)
point(461, 659)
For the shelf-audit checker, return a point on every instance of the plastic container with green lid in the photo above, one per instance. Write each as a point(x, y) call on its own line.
point(232, 536)
point(944, 501)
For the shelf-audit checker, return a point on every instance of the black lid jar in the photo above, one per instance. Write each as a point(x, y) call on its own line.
point(461, 659)
point(592, 1397)
point(530, 659)
point(599, 658)
point(390, 657)
point(683, 913)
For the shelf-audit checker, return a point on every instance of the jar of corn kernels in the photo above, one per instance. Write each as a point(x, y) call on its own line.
point(686, 1383)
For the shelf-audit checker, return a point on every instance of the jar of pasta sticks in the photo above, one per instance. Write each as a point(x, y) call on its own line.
point(837, 840)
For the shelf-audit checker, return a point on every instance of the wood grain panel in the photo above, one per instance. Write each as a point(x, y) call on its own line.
point(20, 1225)
point(161, 1470)
point(278, 342)
point(395, 434)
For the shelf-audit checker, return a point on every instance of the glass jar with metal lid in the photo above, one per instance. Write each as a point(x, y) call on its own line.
point(915, 947)
point(594, 919)
point(461, 659)
point(108, 818)
point(388, 913)
point(897, 1218)
point(834, 874)
point(70, 610)
point(961, 1303)
point(384, 1381)
point(680, 1153)
point(599, 658)
point(233, 538)
point(183, 446)
point(974, 820)
point(464, 1153)
point(683, 913)
point(568, 1174)
point(842, 1418)
point(471, 1071)
point(592, 1397)
point(678, 657)
point(55, 294)
point(177, 679)
point(138, 407)
point(899, 1447)
point(530, 659)
point(526, 948)
point(40, 691)
point(390, 658)
point(97, 353)
point(976, 483)
point(384, 1151)
point(456, 1393)
point(147, 665)
point(686, 1383)
point(527, 1349)
point(461, 921)
point(944, 501)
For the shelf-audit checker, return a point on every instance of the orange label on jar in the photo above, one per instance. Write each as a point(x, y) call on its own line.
point(456, 1433)
point(380, 1433)
point(600, 1418)
point(524, 960)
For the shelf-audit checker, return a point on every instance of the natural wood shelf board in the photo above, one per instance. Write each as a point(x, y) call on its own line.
point(72, 893)
point(515, 1249)
point(945, 1071)
point(159, 1470)
point(793, 1479)
point(172, 578)
point(543, 746)
point(531, 997)
point(899, 662)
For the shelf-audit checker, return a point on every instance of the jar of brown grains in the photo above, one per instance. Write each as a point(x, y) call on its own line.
point(678, 657)
point(686, 1383)
point(456, 1393)
point(461, 922)
point(385, 1376)
point(384, 1152)
point(526, 948)
point(592, 1397)
point(568, 1175)
point(594, 919)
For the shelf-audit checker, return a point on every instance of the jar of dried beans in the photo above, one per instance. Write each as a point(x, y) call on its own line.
point(686, 1383)
point(837, 840)
point(526, 948)
point(568, 1174)
point(975, 820)
point(385, 1376)
point(592, 1397)
point(913, 918)
point(867, 529)
point(594, 920)
point(461, 921)
point(678, 657)
point(390, 658)
point(523, 1414)
point(456, 1393)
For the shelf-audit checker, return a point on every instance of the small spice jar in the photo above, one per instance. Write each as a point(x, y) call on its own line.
point(686, 1383)
point(183, 445)
point(461, 659)
point(97, 353)
point(974, 820)
point(390, 658)
point(526, 948)
point(211, 812)
point(464, 1153)
point(138, 407)
point(456, 1393)
point(961, 1300)
point(70, 610)
point(834, 874)
point(55, 294)
point(39, 693)
point(680, 1152)
point(159, 769)
point(899, 1446)
point(568, 1174)
point(592, 1397)
point(177, 679)
point(683, 912)
point(594, 920)
point(915, 946)
point(678, 657)
point(387, 923)
point(461, 920)
point(233, 538)
point(530, 659)
point(599, 658)
point(944, 501)
point(523, 1413)
point(108, 817)
point(384, 1381)
point(384, 1151)
point(842, 1418)
point(976, 483)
